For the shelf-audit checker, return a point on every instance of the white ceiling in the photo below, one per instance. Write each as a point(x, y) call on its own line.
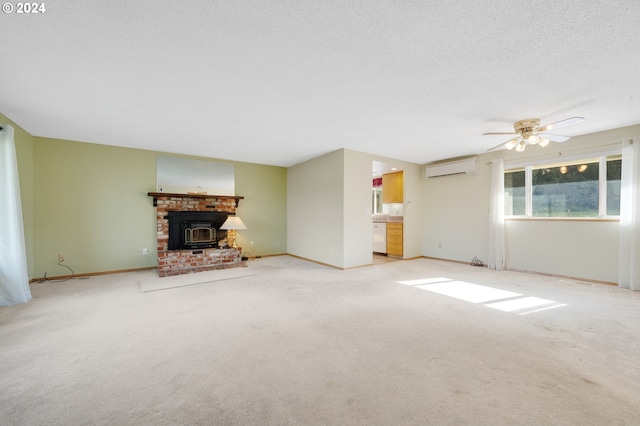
point(280, 82)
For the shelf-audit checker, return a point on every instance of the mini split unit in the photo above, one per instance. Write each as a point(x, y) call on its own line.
point(466, 166)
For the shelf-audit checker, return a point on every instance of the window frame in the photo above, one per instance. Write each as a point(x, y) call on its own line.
point(528, 187)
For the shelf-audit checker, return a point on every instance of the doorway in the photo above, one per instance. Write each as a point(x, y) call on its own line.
point(387, 210)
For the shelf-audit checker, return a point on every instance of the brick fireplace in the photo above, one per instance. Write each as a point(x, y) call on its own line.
point(186, 261)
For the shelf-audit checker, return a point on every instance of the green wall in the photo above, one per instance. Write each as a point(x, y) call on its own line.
point(91, 205)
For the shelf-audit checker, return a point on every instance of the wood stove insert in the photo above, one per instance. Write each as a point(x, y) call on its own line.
point(195, 230)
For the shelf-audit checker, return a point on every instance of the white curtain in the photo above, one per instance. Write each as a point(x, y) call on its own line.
point(496, 217)
point(629, 275)
point(14, 279)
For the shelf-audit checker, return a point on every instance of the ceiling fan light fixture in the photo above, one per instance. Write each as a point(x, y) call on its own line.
point(530, 132)
point(511, 144)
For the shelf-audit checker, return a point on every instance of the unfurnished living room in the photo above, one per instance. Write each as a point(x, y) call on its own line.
point(320, 213)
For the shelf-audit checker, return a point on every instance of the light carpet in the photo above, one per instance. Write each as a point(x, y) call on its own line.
point(415, 342)
point(152, 282)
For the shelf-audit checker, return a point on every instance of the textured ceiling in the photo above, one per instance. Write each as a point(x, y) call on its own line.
point(280, 82)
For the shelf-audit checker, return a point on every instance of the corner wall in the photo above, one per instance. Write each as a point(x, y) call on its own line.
point(315, 204)
point(357, 209)
point(329, 208)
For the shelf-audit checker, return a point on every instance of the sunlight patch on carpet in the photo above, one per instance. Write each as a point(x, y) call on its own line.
point(503, 300)
point(473, 293)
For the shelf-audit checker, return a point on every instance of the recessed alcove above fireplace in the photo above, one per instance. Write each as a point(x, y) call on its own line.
point(194, 221)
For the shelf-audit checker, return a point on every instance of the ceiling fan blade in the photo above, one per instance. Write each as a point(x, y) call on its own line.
point(499, 133)
point(495, 148)
point(503, 145)
point(561, 123)
point(555, 138)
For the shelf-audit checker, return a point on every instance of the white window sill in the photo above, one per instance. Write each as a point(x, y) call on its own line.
point(564, 219)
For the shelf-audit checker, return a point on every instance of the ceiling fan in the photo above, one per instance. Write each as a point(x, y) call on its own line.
point(530, 132)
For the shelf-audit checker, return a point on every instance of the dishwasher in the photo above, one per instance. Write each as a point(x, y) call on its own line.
point(379, 237)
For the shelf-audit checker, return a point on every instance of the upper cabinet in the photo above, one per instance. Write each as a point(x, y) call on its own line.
point(392, 188)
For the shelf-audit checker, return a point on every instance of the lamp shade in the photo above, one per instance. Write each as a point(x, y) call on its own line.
point(233, 222)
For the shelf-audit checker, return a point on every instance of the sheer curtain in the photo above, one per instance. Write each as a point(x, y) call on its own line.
point(496, 217)
point(629, 275)
point(14, 280)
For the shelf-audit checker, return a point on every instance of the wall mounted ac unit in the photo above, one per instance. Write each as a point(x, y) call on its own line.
point(466, 165)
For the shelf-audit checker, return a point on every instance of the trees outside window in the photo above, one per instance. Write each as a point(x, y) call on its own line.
point(587, 188)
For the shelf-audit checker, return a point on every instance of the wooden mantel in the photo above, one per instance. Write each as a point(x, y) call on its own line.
point(156, 195)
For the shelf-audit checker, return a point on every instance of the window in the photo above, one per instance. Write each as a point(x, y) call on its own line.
point(586, 188)
point(514, 202)
point(614, 174)
point(567, 190)
point(376, 200)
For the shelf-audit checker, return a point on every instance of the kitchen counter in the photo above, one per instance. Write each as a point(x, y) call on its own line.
point(384, 218)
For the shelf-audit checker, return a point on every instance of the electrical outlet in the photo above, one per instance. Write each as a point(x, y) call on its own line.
point(252, 243)
point(60, 257)
point(145, 251)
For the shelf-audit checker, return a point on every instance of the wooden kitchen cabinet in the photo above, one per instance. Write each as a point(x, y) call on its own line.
point(394, 238)
point(393, 188)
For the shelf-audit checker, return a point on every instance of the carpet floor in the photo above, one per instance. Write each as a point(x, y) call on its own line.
point(416, 342)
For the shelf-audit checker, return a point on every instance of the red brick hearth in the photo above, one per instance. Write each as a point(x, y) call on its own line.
point(176, 262)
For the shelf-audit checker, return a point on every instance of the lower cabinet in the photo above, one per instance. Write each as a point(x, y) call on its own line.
point(394, 239)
